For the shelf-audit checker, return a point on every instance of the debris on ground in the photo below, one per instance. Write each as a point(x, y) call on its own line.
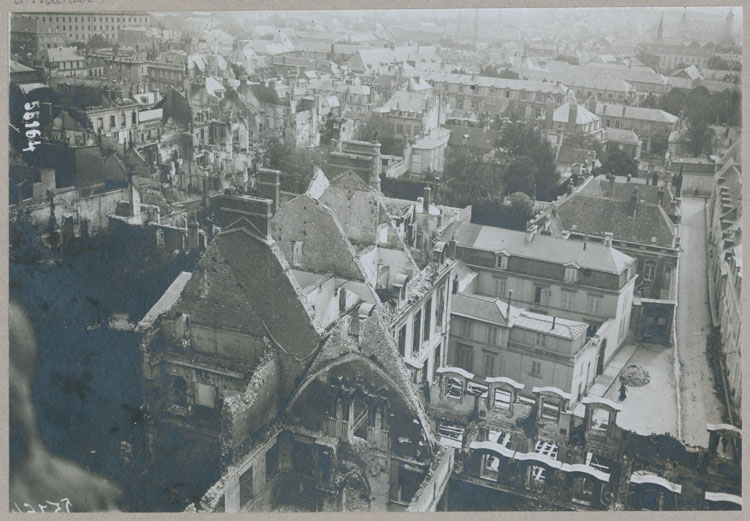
point(635, 376)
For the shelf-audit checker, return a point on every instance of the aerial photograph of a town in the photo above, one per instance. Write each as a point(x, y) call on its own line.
point(432, 260)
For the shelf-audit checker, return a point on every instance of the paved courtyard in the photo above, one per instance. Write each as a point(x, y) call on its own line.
point(651, 408)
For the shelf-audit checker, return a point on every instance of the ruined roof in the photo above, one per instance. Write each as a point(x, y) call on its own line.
point(549, 249)
point(319, 236)
point(214, 296)
point(114, 170)
point(374, 345)
point(165, 302)
point(243, 283)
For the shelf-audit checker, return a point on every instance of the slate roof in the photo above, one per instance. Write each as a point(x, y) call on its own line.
point(563, 328)
point(583, 115)
point(587, 81)
point(19, 67)
point(649, 194)
point(213, 297)
point(543, 247)
point(598, 215)
point(640, 113)
point(62, 54)
point(619, 135)
point(499, 83)
point(480, 307)
point(569, 155)
point(478, 138)
point(680, 83)
point(407, 101)
point(495, 311)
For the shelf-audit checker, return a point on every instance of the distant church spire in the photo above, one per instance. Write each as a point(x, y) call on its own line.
point(728, 28)
point(660, 30)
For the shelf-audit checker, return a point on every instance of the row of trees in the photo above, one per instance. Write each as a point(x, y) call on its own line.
point(702, 108)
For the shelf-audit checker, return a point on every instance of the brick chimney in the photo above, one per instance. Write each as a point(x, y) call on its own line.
point(256, 210)
point(608, 239)
point(572, 116)
point(269, 186)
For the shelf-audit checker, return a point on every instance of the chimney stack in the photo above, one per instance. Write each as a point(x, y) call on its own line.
point(592, 105)
point(634, 203)
point(510, 298)
point(426, 200)
point(452, 248)
point(572, 116)
point(554, 319)
point(530, 232)
point(269, 186)
point(608, 239)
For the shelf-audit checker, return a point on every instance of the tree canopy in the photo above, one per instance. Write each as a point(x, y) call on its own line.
point(698, 104)
point(618, 162)
point(513, 213)
point(719, 63)
point(97, 41)
point(699, 136)
point(529, 158)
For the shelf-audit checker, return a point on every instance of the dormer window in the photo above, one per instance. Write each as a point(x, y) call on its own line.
point(571, 274)
point(502, 262)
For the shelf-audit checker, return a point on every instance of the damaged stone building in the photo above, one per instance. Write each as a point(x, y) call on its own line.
point(289, 302)
point(308, 364)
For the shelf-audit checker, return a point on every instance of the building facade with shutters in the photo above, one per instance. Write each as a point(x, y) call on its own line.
point(579, 281)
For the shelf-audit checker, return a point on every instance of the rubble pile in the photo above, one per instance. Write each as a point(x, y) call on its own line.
point(635, 376)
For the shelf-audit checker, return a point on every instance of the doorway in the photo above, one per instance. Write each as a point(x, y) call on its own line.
point(600, 357)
